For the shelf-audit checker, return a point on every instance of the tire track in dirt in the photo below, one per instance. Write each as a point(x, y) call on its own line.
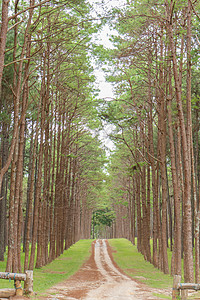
point(117, 285)
point(100, 278)
point(105, 264)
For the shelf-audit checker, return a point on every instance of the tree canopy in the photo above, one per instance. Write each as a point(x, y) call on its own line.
point(57, 181)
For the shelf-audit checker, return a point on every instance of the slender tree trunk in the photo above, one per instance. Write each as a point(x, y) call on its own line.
point(39, 256)
point(52, 207)
point(3, 34)
point(162, 127)
point(19, 183)
point(188, 253)
point(138, 212)
point(58, 184)
point(133, 209)
point(4, 151)
point(30, 170)
point(9, 266)
point(31, 194)
point(177, 221)
point(38, 185)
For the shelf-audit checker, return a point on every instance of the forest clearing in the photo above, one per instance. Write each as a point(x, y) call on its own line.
point(80, 162)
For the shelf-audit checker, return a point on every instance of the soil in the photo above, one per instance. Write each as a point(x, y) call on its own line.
point(101, 278)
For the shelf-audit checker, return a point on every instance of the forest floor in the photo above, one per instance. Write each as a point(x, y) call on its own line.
point(101, 278)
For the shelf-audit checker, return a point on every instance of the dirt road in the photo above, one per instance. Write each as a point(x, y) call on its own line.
point(101, 278)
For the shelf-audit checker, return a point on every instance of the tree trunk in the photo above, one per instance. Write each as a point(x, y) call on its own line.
point(3, 220)
point(138, 213)
point(39, 183)
point(9, 266)
point(3, 34)
point(162, 128)
point(52, 205)
point(187, 226)
point(176, 190)
point(31, 195)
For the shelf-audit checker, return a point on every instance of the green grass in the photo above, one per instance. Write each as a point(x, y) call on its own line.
point(161, 296)
point(58, 270)
point(125, 255)
point(133, 263)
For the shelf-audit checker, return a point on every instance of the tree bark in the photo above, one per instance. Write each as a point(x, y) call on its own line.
point(3, 195)
point(31, 195)
point(188, 254)
point(39, 180)
point(3, 34)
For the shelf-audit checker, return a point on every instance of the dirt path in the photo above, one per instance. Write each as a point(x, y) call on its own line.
point(101, 278)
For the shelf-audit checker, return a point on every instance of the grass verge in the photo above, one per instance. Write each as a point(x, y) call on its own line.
point(132, 263)
point(58, 270)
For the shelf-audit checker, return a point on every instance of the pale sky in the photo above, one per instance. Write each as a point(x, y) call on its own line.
point(106, 91)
